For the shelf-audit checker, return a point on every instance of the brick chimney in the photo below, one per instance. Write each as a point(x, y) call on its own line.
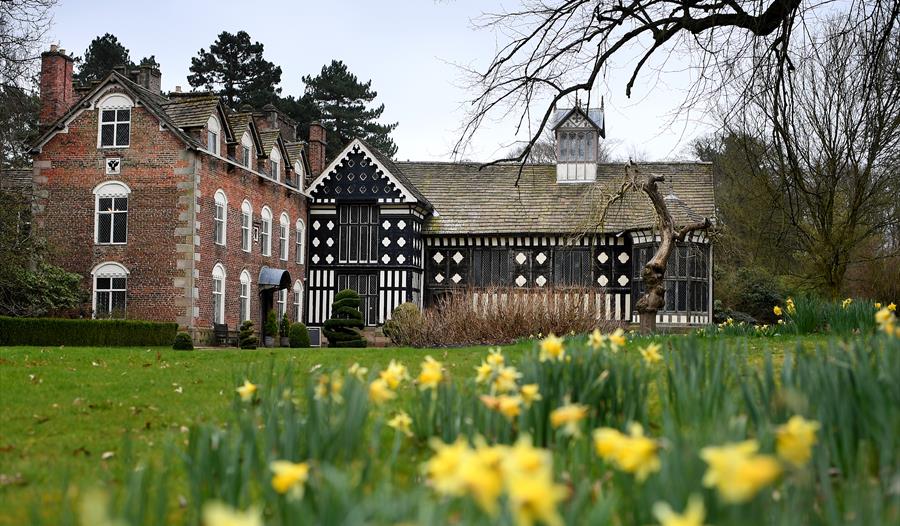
point(57, 93)
point(316, 148)
point(149, 78)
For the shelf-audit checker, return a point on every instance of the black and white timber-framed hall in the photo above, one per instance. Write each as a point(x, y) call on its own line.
point(413, 231)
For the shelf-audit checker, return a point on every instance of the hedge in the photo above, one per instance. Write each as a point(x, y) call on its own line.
point(91, 333)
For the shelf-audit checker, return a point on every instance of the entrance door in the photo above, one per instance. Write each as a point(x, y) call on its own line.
point(366, 285)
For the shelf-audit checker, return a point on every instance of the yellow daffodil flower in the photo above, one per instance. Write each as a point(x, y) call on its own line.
point(482, 476)
point(530, 394)
point(651, 354)
point(402, 423)
point(483, 373)
point(552, 348)
point(569, 416)
point(431, 375)
point(737, 471)
point(495, 358)
point(506, 378)
point(632, 453)
point(846, 303)
point(394, 374)
point(777, 310)
point(380, 392)
point(877, 304)
point(321, 389)
point(444, 469)
point(491, 402)
point(509, 406)
point(795, 439)
point(534, 499)
point(617, 340)
point(883, 316)
point(596, 339)
point(358, 371)
point(290, 477)
point(216, 513)
point(693, 515)
point(892, 307)
point(246, 391)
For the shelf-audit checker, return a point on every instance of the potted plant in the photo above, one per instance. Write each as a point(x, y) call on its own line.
point(285, 331)
point(271, 328)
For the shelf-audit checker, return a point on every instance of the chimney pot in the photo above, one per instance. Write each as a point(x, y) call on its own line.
point(63, 51)
point(177, 89)
point(53, 48)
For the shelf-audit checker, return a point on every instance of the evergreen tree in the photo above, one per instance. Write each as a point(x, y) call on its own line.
point(104, 54)
point(234, 67)
point(338, 99)
point(343, 328)
point(19, 110)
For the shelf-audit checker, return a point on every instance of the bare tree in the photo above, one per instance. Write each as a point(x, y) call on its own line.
point(544, 151)
point(23, 25)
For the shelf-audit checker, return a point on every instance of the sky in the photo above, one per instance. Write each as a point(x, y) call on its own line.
point(411, 50)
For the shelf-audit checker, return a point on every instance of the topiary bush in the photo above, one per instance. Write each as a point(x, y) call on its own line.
point(246, 337)
point(183, 342)
point(343, 329)
point(405, 322)
point(284, 329)
point(271, 324)
point(299, 336)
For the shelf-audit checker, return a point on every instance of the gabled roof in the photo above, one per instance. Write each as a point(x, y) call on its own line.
point(242, 122)
point(593, 115)
point(470, 200)
point(270, 139)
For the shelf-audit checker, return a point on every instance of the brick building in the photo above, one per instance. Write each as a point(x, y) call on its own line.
point(170, 205)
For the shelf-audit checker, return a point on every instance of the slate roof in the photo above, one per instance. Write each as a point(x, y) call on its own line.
point(18, 180)
point(295, 150)
point(399, 173)
point(467, 200)
point(595, 115)
point(268, 138)
point(192, 110)
point(239, 122)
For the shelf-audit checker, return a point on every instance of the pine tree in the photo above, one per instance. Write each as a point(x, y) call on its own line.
point(343, 329)
point(338, 99)
point(102, 55)
point(234, 67)
point(246, 337)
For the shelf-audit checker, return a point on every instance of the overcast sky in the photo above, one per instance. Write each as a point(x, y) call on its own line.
point(408, 48)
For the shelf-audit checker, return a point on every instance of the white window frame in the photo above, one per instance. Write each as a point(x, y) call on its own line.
point(299, 174)
point(298, 301)
point(275, 163)
point(300, 239)
point(284, 236)
point(218, 293)
point(114, 102)
point(112, 270)
point(213, 135)
point(265, 233)
point(246, 282)
point(220, 218)
point(246, 226)
point(282, 304)
point(111, 190)
point(246, 149)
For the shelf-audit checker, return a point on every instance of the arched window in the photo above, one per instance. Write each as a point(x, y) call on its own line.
point(284, 225)
point(110, 290)
point(298, 301)
point(115, 121)
point(245, 295)
point(299, 238)
point(282, 304)
point(221, 217)
point(300, 174)
point(218, 293)
point(265, 235)
point(275, 161)
point(246, 226)
point(213, 132)
point(111, 213)
point(246, 149)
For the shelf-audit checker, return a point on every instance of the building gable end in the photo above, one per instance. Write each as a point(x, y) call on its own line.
point(356, 174)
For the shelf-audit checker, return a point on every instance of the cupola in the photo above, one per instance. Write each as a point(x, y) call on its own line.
point(578, 131)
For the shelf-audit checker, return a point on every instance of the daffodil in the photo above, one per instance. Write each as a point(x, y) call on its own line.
point(552, 348)
point(216, 513)
point(321, 389)
point(358, 371)
point(795, 439)
point(506, 378)
point(632, 453)
point(846, 303)
point(380, 392)
point(402, 423)
point(883, 316)
point(737, 471)
point(431, 375)
point(617, 340)
point(289, 477)
point(596, 339)
point(509, 406)
point(483, 373)
point(530, 393)
point(246, 391)
point(495, 358)
point(892, 307)
point(394, 374)
point(777, 310)
point(877, 304)
point(693, 515)
point(651, 354)
point(534, 499)
point(789, 304)
point(569, 416)
point(482, 476)
point(444, 468)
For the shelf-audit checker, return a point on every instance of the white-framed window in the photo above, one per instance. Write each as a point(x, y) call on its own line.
point(111, 213)
point(299, 174)
point(298, 301)
point(245, 295)
point(114, 130)
point(110, 284)
point(246, 149)
point(265, 234)
point(299, 239)
point(221, 217)
point(284, 224)
point(213, 132)
point(275, 162)
point(246, 226)
point(218, 293)
point(282, 304)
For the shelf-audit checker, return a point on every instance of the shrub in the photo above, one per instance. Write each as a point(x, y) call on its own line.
point(406, 321)
point(92, 333)
point(183, 342)
point(284, 329)
point(272, 324)
point(753, 291)
point(299, 336)
point(343, 329)
point(246, 337)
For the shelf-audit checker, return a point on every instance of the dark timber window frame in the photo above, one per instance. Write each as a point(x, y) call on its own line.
point(358, 233)
point(115, 128)
point(686, 280)
point(366, 285)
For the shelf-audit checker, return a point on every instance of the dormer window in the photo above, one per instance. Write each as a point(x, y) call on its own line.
point(212, 135)
point(246, 149)
point(115, 121)
point(275, 163)
point(577, 134)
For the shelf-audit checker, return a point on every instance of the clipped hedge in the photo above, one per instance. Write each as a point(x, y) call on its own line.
point(90, 333)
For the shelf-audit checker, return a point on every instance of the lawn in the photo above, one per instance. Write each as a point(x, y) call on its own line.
point(65, 412)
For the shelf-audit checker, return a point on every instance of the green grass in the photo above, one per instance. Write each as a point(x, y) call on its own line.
point(61, 409)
